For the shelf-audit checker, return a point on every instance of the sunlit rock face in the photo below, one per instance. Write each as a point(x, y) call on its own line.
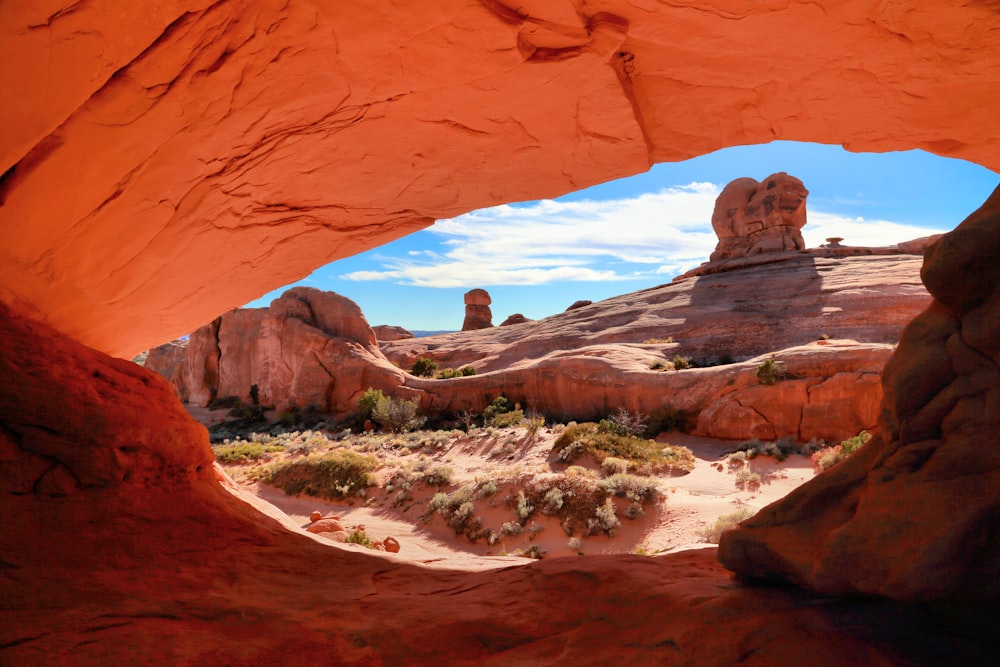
point(751, 218)
point(914, 514)
point(206, 152)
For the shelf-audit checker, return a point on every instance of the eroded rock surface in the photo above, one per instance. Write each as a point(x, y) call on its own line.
point(914, 514)
point(266, 138)
point(387, 332)
point(751, 218)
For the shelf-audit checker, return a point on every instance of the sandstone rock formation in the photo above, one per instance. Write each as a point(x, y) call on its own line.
point(387, 332)
point(913, 514)
point(167, 161)
point(307, 347)
point(477, 310)
point(579, 304)
point(516, 318)
point(752, 218)
point(269, 138)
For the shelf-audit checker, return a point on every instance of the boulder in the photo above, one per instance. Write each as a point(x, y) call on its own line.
point(751, 218)
point(477, 310)
point(325, 526)
point(579, 304)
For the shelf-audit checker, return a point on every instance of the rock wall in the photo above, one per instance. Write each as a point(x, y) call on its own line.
point(207, 152)
point(914, 514)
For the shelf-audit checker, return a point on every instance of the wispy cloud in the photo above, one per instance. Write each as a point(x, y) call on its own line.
point(656, 234)
point(550, 241)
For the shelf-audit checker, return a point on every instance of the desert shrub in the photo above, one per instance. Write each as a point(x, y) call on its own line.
point(657, 366)
point(486, 488)
point(747, 479)
point(457, 509)
point(336, 474)
point(724, 523)
point(576, 544)
point(580, 471)
point(642, 453)
point(244, 451)
point(255, 394)
point(397, 415)
point(658, 341)
point(367, 403)
point(359, 537)
point(633, 487)
point(438, 475)
point(522, 508)
point(771, 371)
point(499, 406)
point(614, 465)
point(634, 511)
point(508, 419)
point(553, 500)
point(604, 519)
point(511, 528)
point(680, 363)
point(424, 367)
point(626, 422)
point(828, 457)
point(449, 373)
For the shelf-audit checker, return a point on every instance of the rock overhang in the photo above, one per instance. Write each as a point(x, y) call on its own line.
point(212, 151)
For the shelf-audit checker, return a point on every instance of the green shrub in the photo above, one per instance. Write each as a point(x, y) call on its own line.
point(724, 523)
point(397, 415)
point(225, 403)
point(337, 474)
point(680, 363)
point(604, 519)
point(367, 403)
point(642, 453)
point(255, 394)
point(831, 456)
point(499, 406)
point(771, 371)
point(747, 479)
point(424, 367)
point(359, 537)
point(244, 451)
point(508, 419)
point(449, 373)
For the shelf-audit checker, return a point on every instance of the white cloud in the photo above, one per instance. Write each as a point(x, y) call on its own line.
point(858, 231)
point(550, 241)
point(644, 237)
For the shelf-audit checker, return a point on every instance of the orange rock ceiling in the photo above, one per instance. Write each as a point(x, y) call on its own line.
point(165, 161)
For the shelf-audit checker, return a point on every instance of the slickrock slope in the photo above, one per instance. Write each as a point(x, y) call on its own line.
point(205, 152)
point(914, 514)
point(775, 301)
point(121, 546)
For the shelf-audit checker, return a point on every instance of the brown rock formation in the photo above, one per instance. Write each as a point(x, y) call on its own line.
point(387, 332)
point(477, 310)
point(516, 318)
point(752, 218)
point(913, 514)
point(206, 126)
point(579, 304)
point(307, 347)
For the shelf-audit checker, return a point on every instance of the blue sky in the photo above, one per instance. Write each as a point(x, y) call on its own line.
point(537, 258)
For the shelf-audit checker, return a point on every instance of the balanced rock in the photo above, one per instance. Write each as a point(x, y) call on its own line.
point(477, 310)
point(752, 218)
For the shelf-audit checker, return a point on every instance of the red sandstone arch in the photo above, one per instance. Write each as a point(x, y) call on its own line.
point(167, 162)
point(164, 163)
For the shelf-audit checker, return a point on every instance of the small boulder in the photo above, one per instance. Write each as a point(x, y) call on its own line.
point(325, 526)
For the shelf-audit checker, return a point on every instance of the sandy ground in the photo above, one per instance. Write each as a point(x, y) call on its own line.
point(690, 503)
